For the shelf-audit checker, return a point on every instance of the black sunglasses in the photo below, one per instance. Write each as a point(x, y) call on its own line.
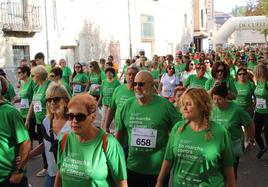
point(78, 116)
point(219, 70)
point(241, 74)
point(139, 84)
point(54, 99)
point(32, 76)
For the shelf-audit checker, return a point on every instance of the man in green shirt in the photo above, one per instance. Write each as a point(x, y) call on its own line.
point(14, 142)
point(146, 119)
point(40, 60)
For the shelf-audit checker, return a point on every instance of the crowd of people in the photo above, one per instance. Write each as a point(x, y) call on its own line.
point(183, 120)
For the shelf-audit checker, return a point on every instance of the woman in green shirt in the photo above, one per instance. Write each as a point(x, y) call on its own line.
point(245, 91)
point(198, 149)
point(107, 89)
point(26, 95)
point(94, 78)
point(79, 81)
point(38, 106)
point(221, 75)
point(261, 108)
point(87, 156)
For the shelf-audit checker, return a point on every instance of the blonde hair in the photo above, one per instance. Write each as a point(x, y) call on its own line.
point(41, 71)
point(57, 90)
point(202, 101)
point(261, 72)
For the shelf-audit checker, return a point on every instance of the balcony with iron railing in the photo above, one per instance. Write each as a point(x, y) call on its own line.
point(20, 18)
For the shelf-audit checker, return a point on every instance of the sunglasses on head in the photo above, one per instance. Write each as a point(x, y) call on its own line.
point(54, 99)
point(139, 84)
point(78, 116)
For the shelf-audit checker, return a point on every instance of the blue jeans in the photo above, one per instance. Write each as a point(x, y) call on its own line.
point(49, 181)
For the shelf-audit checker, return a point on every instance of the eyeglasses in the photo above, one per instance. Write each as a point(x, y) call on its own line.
point(241, 74)
point(78, 116)
point(139, 84)
point(54, 99)
point(219, 70)
point(77, 67)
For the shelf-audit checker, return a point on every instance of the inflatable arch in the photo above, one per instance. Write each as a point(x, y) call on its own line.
point(238, 23)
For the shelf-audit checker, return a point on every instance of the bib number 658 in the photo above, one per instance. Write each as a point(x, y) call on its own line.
point(143, 142)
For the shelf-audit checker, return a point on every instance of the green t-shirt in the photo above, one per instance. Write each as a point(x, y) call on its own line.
point(86, 164)
point(232, 118)
point(196, 161)
point(193, 82)
point(251, 65)
point(229, 83)
point(179, 69)
point(79, 78)
point(155, 74)
point(66, 73)
point(148, 128)
point(208, 75)
point(107, 90)
point(67, 87)
point(39, 102)
point(120, 96)
point(12, 133)
point(10, 92)
point(233, 71)
point(244, 94)
point(95, 81)
point(26, 95)
point(261, 94)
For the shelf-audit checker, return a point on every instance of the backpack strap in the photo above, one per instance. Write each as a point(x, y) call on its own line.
point(63, 141)
point(104, 142)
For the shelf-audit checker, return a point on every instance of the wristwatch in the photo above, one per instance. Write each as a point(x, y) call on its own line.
point(20, 170)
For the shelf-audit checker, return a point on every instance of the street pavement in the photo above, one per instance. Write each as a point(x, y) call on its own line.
point(251, 171)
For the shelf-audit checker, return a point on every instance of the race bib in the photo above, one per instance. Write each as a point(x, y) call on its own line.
point(37, 106)
point(77, 88)
point(94, 87)
point(24, 103)
point(143, 137)
point(261, 103)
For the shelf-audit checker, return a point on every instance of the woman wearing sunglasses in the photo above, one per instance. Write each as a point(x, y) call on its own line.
point(79, 81)
point(26, 94)
point(198, 80)
point(94, 78)
point(88, 156)
point(245, 91)
point(221, 75)
point(169, 81)
point(53, 126)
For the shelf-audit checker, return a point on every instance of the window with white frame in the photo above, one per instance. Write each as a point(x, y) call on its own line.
point(147, 27)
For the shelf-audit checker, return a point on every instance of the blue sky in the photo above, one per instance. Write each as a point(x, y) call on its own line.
point(227, 5)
